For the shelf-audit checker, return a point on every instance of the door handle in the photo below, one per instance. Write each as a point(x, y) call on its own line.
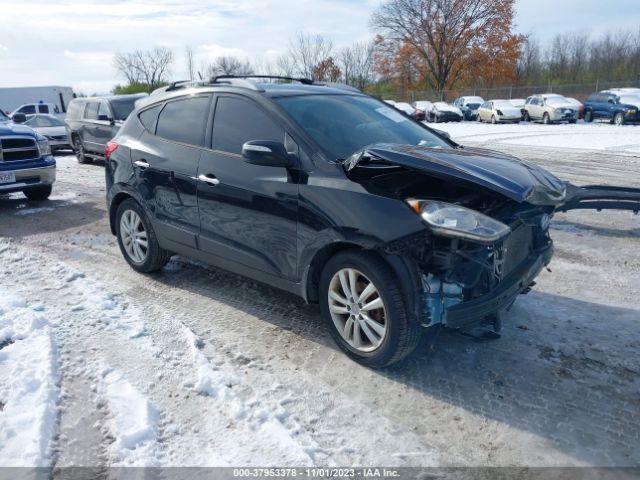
point(141, 164)
point(208, 179)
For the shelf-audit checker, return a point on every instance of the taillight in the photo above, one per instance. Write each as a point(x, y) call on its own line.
point(109, 149)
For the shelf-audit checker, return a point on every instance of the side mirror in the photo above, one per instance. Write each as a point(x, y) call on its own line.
point(19, 118)
point(266, 153)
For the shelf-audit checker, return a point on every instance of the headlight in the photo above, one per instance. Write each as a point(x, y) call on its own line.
point(455, 221)
point(44, 147)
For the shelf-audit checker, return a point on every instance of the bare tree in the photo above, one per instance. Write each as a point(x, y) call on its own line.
point(307, 52)
point(190, 64)
point(356, 63)
point(443, 32)
point(229, 65)
point(146, 66)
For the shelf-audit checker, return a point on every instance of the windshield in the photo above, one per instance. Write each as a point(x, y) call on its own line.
point(123, 107)
point(502, 104)
point(345, 124)
point(473, 106)
point(630, 99)
point(43, 121)
point(555, 101)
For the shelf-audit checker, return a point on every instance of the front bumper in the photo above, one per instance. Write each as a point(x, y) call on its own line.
point(563, 117)
point(505, 119)
point(474, 311)
point(30, 177)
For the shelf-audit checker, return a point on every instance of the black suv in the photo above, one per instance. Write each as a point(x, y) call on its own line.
point(92, 122)
point(339, 198)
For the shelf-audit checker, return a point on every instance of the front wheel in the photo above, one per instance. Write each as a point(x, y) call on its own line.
point(618, 119)
point(365, 310)
point(137, 239)
point(493, 119)
point(545, 119)
point(38, 193)
point(526, 117)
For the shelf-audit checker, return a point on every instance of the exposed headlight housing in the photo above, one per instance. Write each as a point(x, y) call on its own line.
point(44, 147)
point(455, 221)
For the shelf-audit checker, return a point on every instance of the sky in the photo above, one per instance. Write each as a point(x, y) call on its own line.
point(72, 42)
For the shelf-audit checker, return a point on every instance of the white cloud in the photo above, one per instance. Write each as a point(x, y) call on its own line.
point(3, 49)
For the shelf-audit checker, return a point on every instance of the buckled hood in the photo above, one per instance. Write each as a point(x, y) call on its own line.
point(505, 174)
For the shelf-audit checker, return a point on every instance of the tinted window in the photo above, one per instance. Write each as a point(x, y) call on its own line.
point(184, 120)
point(149, 116)
point(344, 124)
point(237, 121)
point(28, 109)
point(122, 107)
point(91, 112)
point(103, 111)
point(43, 108)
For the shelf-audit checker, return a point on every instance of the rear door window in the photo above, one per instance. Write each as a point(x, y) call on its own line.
point(91, 112)
point(184, 120)
point(240, 120)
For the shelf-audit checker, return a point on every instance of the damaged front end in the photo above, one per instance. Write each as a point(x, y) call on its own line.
point(487, 219)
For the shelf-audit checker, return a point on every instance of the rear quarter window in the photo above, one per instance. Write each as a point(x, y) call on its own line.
point(184, 120)
point(149, 117)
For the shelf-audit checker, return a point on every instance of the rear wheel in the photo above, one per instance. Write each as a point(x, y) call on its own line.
point(78, 148)
point(618, 119)
point(588, 116)
point(365, 310)
point(137, 239)
point(38, 193)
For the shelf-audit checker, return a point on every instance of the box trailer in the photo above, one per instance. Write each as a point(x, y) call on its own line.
point(11, 98)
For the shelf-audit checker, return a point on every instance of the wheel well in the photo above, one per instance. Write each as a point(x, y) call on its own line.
point(113, 208)
point(319, 260)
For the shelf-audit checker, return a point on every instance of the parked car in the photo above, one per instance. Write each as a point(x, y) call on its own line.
point(52, 128)
point(92, 122)
point(519, 104)
point(339, 198)
point(443, 112)
point(4, 117)
point(578, 105)
point(499, 111)
point(469, 106)
point(619, 108)
point(409, 110)
point(33, 108)
point(422, 107)
point(26, 163)
point(550, 108)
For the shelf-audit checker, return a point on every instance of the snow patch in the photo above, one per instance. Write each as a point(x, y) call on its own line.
point(28, 385)
point(133, 423)
point(31, 211)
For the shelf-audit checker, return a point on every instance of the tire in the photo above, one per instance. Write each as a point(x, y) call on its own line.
point(545, 118)
point(573, 121)
point(493, 119)
point(588, 117)
point(78, 149)
point(618, 119)
point(526, 117)
point(38, 193)
point(154, 257)
point(400, 336)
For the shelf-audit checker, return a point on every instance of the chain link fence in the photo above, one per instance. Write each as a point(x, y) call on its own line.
point(579, 91)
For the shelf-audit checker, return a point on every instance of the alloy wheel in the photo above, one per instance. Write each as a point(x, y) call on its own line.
point(357, 309)
point(134, 236)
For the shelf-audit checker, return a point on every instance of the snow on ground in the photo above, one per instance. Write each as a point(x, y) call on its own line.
point(586, 136)
point(194, 366)
point(28, 382)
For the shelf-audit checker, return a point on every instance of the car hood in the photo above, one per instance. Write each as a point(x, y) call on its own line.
point(514, 178)
point(510, 111)
point(15, 129)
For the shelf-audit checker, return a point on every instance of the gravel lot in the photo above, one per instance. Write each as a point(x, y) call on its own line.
point(219, 370)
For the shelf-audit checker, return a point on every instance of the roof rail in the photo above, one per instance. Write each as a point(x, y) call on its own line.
point(236, 81)
point(305, 81)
